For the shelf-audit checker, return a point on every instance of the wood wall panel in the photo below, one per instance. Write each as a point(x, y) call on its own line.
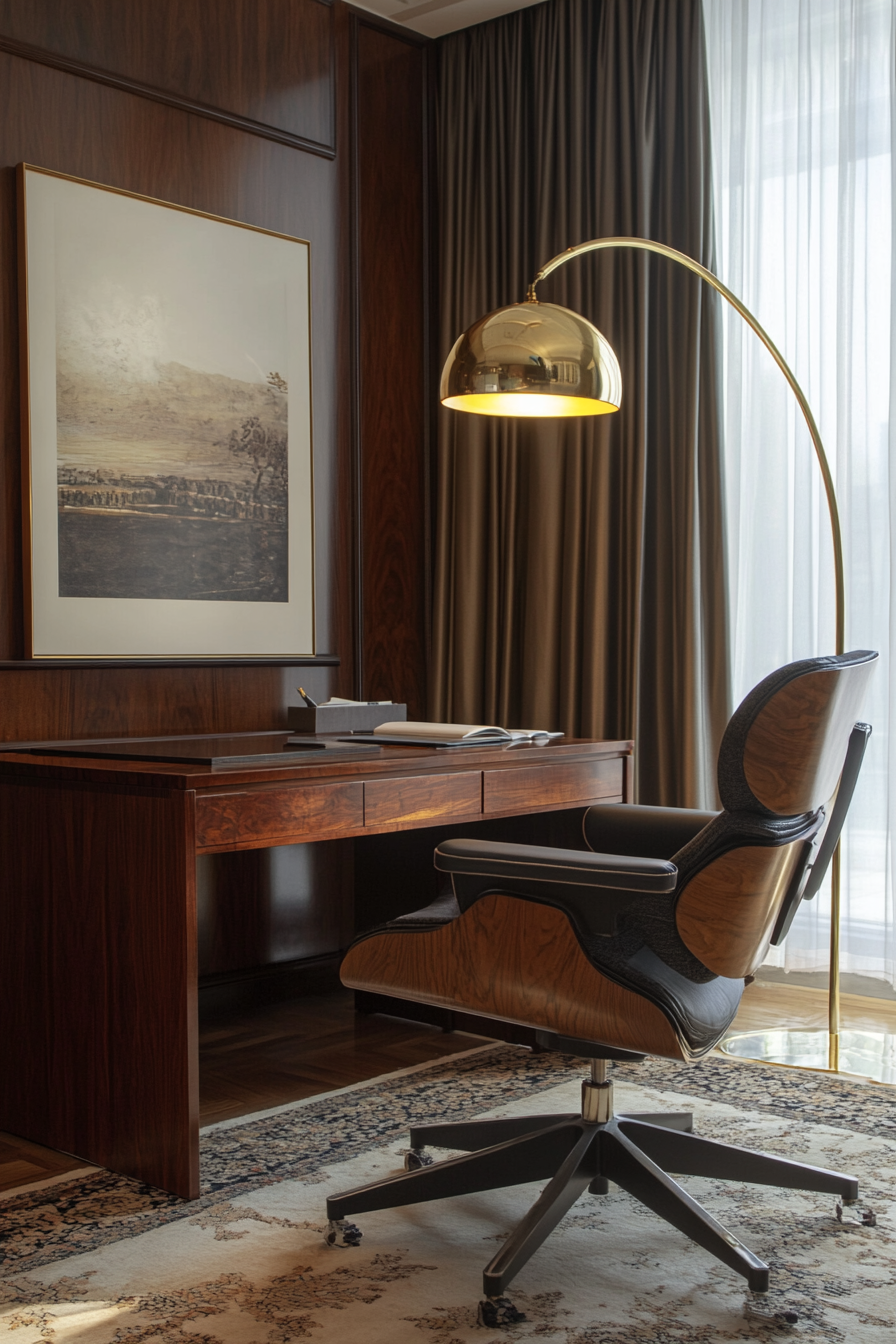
point(77, 126)
point(260, 906)
point(395, 391)
point(269, 63)
point(59, 120)
point(299, 68)
point(53, 703)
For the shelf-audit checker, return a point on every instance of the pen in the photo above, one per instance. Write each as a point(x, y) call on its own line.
point(312, 704)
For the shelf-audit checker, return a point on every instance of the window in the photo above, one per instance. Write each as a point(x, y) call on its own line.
point(802, 113)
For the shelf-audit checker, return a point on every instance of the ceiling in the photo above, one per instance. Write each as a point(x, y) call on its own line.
point(433, 18)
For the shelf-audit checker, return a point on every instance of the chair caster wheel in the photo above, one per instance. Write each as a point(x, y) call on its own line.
point(497, 1311)
point(599, 1186)
point(415, 1158)
point(862, 1218)
point(340, 1232)
point(756, 1310)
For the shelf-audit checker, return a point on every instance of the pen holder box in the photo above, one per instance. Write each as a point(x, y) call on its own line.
point(343, 718)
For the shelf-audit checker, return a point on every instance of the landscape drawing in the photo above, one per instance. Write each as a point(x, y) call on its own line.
point(172, 488)
point(172, 418)
point(168, 486)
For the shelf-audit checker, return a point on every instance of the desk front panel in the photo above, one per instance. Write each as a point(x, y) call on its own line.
point(265, 814)
point(559, 785)
point(271, 815)
point(422, 799)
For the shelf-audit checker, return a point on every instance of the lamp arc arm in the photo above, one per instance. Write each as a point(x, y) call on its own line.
point(647, 245)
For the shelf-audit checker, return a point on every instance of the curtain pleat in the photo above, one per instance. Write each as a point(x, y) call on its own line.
point(579, 577)
point(803, 111)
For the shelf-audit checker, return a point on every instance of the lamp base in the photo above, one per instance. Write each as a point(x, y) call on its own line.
point(870, 1054)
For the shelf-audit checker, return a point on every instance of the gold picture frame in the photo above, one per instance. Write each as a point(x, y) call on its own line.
point(167, 429)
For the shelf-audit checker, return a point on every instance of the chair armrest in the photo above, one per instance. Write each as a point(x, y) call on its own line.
point(557, 867)
point(650, 832)
point(855, 752)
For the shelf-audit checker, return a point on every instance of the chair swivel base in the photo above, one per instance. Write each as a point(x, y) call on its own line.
point(575, 1154)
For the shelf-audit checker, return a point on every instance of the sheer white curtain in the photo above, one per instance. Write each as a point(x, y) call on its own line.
point(802, 108)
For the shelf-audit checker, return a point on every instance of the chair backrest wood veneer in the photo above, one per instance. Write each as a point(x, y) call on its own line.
point(779, 764)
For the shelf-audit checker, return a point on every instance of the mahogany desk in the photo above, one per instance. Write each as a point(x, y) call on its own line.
point(98, 934)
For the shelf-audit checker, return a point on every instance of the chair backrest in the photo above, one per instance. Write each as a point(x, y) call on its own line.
point(779, 765)
point(784, 747)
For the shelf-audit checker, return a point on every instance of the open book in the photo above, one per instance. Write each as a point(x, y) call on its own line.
point(460, 732)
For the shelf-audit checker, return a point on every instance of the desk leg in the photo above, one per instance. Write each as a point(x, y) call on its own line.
point(98, 977)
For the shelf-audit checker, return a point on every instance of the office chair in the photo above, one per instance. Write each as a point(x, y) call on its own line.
point(639, 945)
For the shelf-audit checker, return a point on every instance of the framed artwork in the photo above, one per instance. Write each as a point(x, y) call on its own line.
point(167, 429)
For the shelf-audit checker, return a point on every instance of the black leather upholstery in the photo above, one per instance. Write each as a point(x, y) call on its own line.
point(654, 832)
point(538, 863)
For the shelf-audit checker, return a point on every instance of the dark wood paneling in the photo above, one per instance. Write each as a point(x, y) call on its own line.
point(266, 63)
point(76, 126)
point(48, 704)
point(260, 907)
point(99, 890)
point(393, 407)
point(288, 64)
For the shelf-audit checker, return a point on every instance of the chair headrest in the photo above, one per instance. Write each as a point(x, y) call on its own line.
point(784, 747)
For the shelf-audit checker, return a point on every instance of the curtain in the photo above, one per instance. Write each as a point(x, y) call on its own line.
point(802, 109)
point(579, 575)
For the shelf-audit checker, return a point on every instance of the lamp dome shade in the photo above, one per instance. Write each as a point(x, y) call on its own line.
point(533, 359)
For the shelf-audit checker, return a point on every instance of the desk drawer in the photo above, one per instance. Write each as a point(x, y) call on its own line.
point(305, 811)
point(419, 797)
point(552, 785)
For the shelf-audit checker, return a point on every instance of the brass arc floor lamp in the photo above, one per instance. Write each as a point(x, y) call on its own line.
point(540, 359)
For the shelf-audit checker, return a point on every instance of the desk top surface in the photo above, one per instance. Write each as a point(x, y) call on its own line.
point(338, 760)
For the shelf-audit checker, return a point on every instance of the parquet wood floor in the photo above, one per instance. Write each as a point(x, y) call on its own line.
point(768, 1004)
point(253, 1059)
point(285, 1051)
point(23, 1163)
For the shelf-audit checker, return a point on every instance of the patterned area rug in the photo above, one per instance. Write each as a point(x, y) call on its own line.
point(100, 1259)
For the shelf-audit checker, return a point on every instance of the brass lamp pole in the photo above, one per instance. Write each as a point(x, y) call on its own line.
point(540, 359)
